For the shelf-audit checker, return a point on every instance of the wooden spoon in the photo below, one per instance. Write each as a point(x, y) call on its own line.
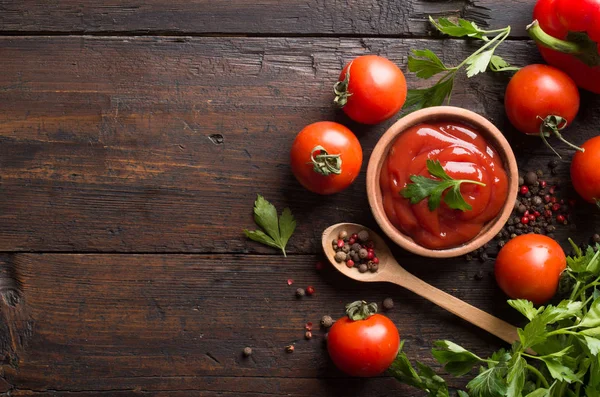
point(391, 271)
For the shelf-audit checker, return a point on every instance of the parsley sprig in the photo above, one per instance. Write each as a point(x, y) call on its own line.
point(426, 64)
point(565, 336)
point(277, 230)
point(423, 187)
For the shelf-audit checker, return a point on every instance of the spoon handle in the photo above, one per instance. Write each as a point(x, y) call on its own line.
point(483, 320)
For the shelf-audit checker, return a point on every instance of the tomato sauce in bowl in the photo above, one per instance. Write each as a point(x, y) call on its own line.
point(464, 154)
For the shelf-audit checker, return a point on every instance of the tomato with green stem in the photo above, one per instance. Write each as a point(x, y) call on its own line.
point(326, 157)
point(370, 89)
point(529, 267)
point(585, 171)
point(363, 343)
point(542, 100)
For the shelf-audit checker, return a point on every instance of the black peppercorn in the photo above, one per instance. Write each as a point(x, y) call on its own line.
point(300, 292)
point(247, 351)
point(388, 303)
point(326, 321)
point(531, 178)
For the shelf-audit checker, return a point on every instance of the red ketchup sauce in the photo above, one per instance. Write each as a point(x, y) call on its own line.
point(463, 154)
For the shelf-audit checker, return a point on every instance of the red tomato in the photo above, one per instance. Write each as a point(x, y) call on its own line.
point(363, 347)
point(326, 157)
point(536, 92)
point(585, 171)
point(371, 89)
point(529, 267)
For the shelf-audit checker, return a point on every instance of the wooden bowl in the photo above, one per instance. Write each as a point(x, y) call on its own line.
point(442, 113)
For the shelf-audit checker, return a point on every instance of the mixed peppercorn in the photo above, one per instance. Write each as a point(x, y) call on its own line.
point(356, 250)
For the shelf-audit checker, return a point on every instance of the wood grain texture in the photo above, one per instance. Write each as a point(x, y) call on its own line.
point(265, 17)
point(167, 323)
point(161, 144)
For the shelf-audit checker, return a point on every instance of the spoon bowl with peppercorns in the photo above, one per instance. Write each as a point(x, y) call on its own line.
point(389, 270)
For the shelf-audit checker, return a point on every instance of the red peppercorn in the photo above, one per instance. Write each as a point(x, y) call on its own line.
point(555, 207)
point(340, 243)
point(524, 190)
point(350, 263)
point(531, 217)
point(548, 214)
point(354, 236)
point(537, 214)
point(552, 189)
point(370, 244)
point(543, 184)
point(375, 260)
point(351, 241)
point(562, 201)
point(308, 326)
point(526, 213)
point(290, 281)
point(553, 200)
point(524, 220)
point(310, 290)
point(560, 218)
point(547, 198)
point(370, 255)
point(370, 249)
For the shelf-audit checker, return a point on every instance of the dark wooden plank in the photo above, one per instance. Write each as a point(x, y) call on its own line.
point(161, 145)
point(179, 322)
point(269, 17)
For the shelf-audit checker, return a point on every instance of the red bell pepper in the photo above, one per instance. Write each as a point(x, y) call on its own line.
point(568, 36)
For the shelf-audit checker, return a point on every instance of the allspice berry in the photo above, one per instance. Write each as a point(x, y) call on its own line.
point(308, 335)
point(362, 268)
point(326, 321)
point(343, 235)
point(363, 253)
point(340, 256)
point(289, 348)
point(247, 351)
point(363, 236)
point(300, 292)
point(531, 178)
point(388, 303)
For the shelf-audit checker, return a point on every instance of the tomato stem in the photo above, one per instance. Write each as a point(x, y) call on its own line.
point(537, 33)
point(325, 163)
point(360, 310)
point(341, 90)
point(552, 125)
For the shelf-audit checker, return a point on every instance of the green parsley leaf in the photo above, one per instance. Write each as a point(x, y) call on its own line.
point(489, 383)
point(559, 365)
point(593, 344)
point(433, 96)
point(422, 187)
point(591, 332)
point(535, 332)
point(425, 379)
point(479, 63)
point(461, 29)
point(425, 64)
point(525, 307)
point(592, 318)
point(277, 232)
point(498, 64)
point(456, 360)
point(462, 393)
point(516, 376)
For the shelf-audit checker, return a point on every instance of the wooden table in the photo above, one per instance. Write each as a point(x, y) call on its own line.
point(134, 137)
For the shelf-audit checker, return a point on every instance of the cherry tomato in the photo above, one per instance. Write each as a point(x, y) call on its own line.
point(371, 89)
point(365, 347)
point(326, 157)
point(585, 171)
point(529, 267)
point(541, 100)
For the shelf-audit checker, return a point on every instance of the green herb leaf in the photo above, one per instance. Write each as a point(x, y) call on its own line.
point(592, 318)
point(525, 307)
point(277, 232)
point(479, 63)
point(535, 332)
point(489, 383)
point(462, 29)
point(559, 365)
point(422, 187)
point(516, 376)
point(433, 96)
point(425, 379)
point(425, 64)
point(591, 332)
point(455, 359)
point(498, 64)
point(593, 344)
point(461, 393)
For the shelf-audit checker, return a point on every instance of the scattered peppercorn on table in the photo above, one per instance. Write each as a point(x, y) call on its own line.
point(134, 139)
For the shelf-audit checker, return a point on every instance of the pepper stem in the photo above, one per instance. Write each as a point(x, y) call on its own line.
point(360, 310)
point(341, 90)
point(552, 125)
point(325, 163)
point(537, 33)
